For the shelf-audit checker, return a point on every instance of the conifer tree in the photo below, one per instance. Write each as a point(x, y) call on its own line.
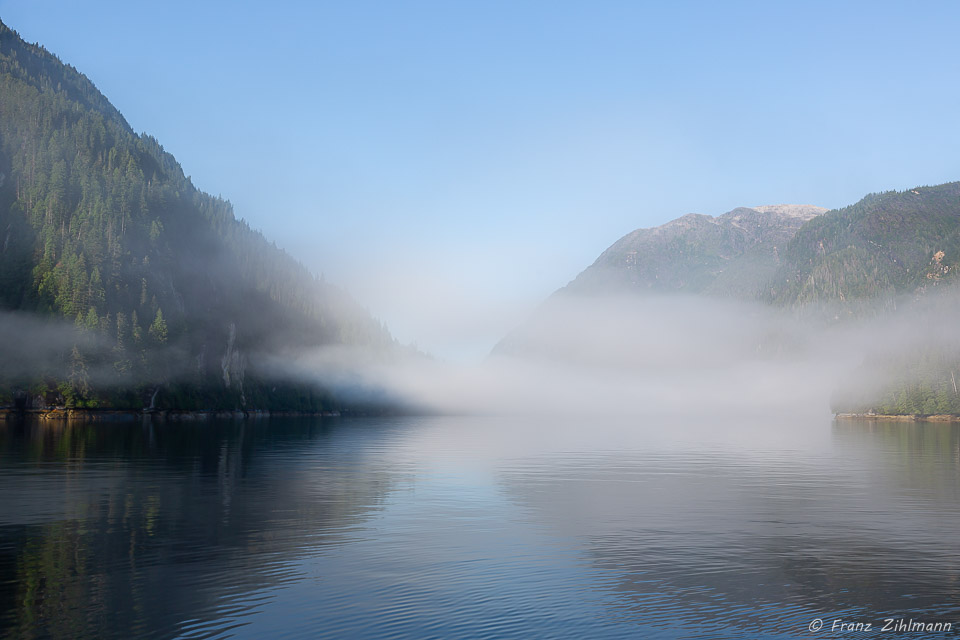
point(158, 329)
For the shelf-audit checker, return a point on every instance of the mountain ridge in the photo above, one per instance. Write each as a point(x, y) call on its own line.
point(692, 253)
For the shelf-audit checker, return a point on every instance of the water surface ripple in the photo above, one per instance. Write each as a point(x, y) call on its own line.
point(476, 528)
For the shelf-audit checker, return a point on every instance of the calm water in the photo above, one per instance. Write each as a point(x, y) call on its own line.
point(473, 528)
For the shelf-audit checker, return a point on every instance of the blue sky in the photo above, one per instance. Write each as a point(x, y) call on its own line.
point(453, 163)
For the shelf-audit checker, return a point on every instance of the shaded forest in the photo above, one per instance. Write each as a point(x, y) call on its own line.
point(168, 299)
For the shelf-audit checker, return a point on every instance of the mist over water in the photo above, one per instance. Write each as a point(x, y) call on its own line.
point(660, 467)
point(669, 356)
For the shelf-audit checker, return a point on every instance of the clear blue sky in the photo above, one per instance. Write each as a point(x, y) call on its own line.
point(452, 163)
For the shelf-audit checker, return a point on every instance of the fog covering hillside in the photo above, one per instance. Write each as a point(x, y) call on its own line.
point(891, 259)
point(122, 285)
point(771, 307)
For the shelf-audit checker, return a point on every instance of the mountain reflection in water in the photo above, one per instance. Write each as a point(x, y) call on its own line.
point(474, 527)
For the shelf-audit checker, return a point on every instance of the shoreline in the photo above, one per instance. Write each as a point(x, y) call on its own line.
point(178, 415)
point(130, 415)
point(884, 417)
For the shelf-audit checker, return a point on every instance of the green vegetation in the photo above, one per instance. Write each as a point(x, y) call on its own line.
point(886, 244)
point(165, 289)
point(921, 383)
point(889, 248)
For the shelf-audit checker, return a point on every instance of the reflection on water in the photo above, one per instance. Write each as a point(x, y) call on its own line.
point(468, 527)
point(124, 531)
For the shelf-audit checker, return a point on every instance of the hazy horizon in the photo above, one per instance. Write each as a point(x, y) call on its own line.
point(451, 166)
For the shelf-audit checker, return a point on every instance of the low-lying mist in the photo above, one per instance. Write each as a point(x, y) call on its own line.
point(667, 355)
point(36, 346)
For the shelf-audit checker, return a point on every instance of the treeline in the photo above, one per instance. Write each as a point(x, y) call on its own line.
point(922, 383)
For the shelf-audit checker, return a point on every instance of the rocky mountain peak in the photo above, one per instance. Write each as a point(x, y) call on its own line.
point(802, 211)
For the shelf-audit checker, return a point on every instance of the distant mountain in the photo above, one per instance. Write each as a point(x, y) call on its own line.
point(733, 254)
point(173, 302)
point(882, 257)
point(884, 246)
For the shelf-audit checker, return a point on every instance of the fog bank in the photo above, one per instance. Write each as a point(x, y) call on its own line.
point(578, 356)
point(667, 355)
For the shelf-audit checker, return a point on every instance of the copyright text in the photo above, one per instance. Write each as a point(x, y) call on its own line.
point(887, 624)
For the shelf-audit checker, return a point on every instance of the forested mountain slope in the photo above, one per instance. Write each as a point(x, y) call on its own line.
point(174, 300)
point(885, 245)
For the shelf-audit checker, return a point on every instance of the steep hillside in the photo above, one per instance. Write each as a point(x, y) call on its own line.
point(173, 300)
point(885, 245)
